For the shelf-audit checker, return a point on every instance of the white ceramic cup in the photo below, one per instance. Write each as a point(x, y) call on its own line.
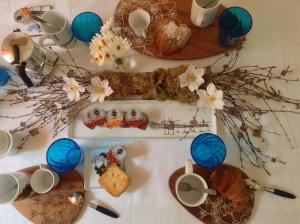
point(43, 180)
point(203, 16)
point(139, 20)
point(62, 37)
point(192, 198)
point(9, 143)
point(14, 187)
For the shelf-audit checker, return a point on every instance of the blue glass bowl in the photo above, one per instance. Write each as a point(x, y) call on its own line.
point(208, 150)
point(4, 76)
point(234, 23)
point(86, 25)
point(63, 155)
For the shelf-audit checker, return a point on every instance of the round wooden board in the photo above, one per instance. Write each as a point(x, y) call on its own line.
point(53, 207)
point(216, 209)
point(203, 42)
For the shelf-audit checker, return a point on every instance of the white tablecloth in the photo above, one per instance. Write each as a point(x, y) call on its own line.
point(274, 40)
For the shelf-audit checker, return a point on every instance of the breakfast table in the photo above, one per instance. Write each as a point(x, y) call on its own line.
point(273, 40)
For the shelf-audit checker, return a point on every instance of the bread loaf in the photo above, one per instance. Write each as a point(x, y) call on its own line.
point(169, 36)
point(114, 180)
point(229, 183)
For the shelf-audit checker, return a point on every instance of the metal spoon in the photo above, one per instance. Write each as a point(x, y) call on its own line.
point(76, 198)
point(38, 19)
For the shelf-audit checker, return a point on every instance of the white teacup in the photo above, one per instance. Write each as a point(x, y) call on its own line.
point(9, 143)
point(203, 12)
point(139, 20)
point(14, 187)
point(43, 180)
point(62, 36)
point(199, 192)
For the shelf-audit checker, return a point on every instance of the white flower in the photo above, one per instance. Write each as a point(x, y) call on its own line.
point(72, 88)
point(212, 98)
point(192, 78)
point(120, 47)
point(109, 29)
point(99, 89)
point(98, 46)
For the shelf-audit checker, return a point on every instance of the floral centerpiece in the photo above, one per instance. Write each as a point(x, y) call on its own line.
point(109, 49)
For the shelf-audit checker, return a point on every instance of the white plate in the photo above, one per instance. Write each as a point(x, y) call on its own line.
point(94, 158)
point(160, 112)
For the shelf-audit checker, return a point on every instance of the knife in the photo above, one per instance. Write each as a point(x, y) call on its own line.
point(104, 210)
point(253, 185)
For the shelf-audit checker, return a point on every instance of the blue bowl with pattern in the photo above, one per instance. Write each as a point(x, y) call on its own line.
point(63, 155)
point(208, 150)
point(86, 25)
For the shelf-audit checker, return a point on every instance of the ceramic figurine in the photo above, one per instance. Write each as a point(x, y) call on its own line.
point(114, 118)
point(136, 119)
point(117, 155)
point(96, 117)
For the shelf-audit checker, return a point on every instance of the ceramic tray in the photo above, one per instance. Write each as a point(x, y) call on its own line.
point(216, 209)
point(173, 119)
point(203, 42)
point(54, 206)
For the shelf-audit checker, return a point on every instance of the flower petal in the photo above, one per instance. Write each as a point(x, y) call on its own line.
point(71, 96)
point(66, 88)
point(108, 91)
point(77, 96)
point(94, 97)
point(202, 94)
point(211, 89)
point(96, 81)
point(66, 79)
point(219, 104)
point(190, 69)
point(200, 71)
point(199, 81)
point(104, 83)
point(219, 94)
point(101, 98)
point(202, 102)
point(193, 86)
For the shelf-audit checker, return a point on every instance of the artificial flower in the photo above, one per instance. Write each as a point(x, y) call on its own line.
point(72, 88)
point(109, 29)
point(192, 78)
point(99, 89)
point(211, 97)
point(120, 47)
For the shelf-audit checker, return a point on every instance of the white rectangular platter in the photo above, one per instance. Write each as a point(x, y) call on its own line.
point(174, 121)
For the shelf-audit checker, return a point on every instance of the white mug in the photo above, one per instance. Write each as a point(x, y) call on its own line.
point(43, 180)
point(200, 191)
point(14, 187)
point(203, 12)
point(9, 143)
point(62, 36)
point(139, 20)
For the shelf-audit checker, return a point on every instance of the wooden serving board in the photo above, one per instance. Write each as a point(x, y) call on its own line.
point(216, 209)
point(53, 207)
point(203, 42)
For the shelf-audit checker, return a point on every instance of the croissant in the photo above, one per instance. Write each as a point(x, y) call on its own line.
point(170, 36)
point(229, 183)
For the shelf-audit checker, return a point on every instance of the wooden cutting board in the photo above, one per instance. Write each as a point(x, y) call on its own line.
point(53, 207)
point(216, 209)
point(203, 42)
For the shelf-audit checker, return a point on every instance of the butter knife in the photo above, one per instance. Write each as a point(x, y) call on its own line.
point(104, 210)
point(253, 185)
